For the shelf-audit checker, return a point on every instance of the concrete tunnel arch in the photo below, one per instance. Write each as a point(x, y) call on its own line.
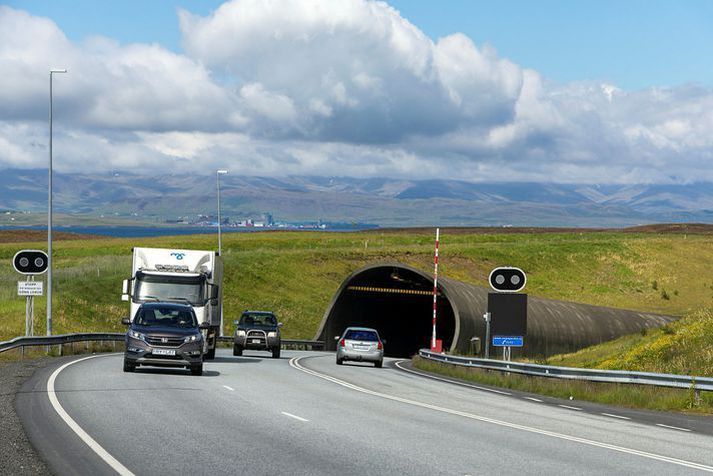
point(396, 299)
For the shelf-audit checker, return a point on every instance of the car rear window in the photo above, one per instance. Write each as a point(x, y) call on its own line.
point(370, 336)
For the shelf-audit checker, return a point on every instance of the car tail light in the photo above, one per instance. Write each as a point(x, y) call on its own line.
point(380, 346)
point(341, 343)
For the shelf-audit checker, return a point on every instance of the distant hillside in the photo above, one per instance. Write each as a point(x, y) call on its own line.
point(382, 201)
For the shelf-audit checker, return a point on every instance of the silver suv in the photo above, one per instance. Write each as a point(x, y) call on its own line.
point(361, 344)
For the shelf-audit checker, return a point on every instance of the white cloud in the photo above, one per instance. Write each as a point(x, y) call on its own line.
point(333, 87)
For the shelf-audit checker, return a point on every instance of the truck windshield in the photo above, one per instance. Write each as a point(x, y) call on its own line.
point(166, 317)
point(169, 288)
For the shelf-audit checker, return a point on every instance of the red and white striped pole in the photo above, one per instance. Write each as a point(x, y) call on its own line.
point(435, 290)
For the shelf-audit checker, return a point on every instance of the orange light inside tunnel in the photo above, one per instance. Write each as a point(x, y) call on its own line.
point(370, 289)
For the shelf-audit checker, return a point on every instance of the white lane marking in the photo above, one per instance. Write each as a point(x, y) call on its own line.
point(673, 427)
point(294, 416)
point(229, 388)
point(571, 408)
point(533, 399)
point(500, 392)
point(83, 435)
point(616, 416)
point(294, 363)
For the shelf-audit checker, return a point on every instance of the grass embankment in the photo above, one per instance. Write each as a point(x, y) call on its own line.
point(683, 347)
point(296, 273)
point(624, 395)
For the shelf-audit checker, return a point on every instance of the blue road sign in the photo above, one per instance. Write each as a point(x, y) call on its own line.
point(507, 341)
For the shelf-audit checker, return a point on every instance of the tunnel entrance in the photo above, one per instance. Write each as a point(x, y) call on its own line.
point(397, 302)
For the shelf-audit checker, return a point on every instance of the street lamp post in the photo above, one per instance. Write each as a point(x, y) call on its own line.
point(49, 218)
point(218, 173)
point(217, 176)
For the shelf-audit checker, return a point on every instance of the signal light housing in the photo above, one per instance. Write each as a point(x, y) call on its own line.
point(507, 279)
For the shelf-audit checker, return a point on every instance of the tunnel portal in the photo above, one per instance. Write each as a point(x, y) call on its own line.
point(396, 301)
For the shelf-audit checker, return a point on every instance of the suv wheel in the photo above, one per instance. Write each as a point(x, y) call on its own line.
point(275, 352)
point(129, 367)
point(197, 369)
point(237, 350)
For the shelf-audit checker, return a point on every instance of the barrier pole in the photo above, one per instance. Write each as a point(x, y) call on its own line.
point(435, 290)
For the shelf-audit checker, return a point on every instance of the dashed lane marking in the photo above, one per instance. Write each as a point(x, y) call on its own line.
point(294, 416)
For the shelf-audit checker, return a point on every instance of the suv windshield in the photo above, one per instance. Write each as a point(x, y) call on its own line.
point(166, 317)
point(369, 336)
point(164, 288)
point(258, 320)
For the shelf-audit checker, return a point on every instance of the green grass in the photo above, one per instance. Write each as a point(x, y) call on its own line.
point(624, 395)
point(296, 273)
point(683, 347)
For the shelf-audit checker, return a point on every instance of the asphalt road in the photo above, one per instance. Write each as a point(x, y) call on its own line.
point(302, 414)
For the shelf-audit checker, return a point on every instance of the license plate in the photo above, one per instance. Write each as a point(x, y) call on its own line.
point(361, 347)
point(256, 341)
point(164, 352)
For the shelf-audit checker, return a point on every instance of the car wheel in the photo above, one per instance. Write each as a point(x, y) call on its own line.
point(340, 361)
point(129, 367)
point(197, 369)
point(378, 364)
point(237, 350)
point(276, 353)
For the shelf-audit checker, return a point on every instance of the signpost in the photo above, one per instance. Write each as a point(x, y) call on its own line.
point(506, 319)
point(30, 263)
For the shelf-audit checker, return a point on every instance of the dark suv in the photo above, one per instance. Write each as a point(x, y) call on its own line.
point(258, 330)
point(164, 335)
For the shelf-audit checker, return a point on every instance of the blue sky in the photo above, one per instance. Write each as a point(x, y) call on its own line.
point(540, 91)
point(631, 43)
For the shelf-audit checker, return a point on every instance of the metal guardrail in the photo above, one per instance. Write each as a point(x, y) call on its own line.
point(594, 375)
point(62, 339)
point(289, 343)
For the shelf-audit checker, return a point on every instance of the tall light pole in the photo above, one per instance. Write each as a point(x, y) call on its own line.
point(217, 176)
point(218, 173)
point(49, 218)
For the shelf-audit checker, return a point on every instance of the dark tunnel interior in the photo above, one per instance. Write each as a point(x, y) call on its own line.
point(396, 302)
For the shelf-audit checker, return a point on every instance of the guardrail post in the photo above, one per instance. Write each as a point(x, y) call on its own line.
point(61, 350)
point(22, 352)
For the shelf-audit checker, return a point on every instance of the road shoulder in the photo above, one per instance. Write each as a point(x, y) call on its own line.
point(16, 452)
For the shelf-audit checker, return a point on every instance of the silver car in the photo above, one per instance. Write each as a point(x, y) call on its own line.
point(361, 344)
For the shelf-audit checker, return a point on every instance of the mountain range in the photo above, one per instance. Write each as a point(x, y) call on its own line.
point(379, 201)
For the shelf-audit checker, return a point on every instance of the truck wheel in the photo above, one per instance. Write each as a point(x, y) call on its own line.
point(197, 369)
point(378, 364)
point(237, 350)
point(275, 352)
point(129, 367)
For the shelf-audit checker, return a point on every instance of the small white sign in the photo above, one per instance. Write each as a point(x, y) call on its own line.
point(29, 288)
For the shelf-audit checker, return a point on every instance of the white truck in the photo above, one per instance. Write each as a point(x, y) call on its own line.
point(184, 276)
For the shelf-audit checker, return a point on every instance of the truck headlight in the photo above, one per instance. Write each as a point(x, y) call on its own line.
point(272, 334)
point(192, 338)
point(136, 335)
point(240, 333)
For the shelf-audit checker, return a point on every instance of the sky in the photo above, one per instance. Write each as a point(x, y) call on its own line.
point(574, 92)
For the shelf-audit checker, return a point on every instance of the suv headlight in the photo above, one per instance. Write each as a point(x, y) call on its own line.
point(272, 334)
point(240, 333)
point(136, 335)
point(192, 338)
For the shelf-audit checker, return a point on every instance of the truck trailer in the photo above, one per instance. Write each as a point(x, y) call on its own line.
point(184, 276)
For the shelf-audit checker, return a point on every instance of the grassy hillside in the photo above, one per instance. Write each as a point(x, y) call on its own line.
point(295, 273)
